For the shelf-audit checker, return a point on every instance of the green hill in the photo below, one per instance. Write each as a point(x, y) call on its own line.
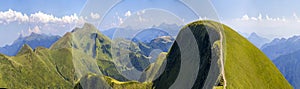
point(206, 54)
point(32, 69)
point(247, 67)
point(244, 65)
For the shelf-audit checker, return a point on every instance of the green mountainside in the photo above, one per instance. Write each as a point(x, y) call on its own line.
point(36, 69)
point(205, 54)
point(247, 67)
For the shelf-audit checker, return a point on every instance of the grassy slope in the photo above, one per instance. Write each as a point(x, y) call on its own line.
point(88, 44)
point(247, 67)
point(154, 69)
point(93, 81)
point(29, 70)
point(54, 67)
point(115, 84)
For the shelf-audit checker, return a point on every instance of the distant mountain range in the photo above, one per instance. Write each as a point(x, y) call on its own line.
point(289, 65)
point(149, 34)
point(246, 35)
point(257, 40)
point(33, 40)
point(153, 40)
point(129, 32)
point(285, 53)
point(281, 46)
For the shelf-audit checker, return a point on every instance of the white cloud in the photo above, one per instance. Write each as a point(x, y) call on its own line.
point(43, 18)
point(120, 20)
point(128, 13)
point(268, 18)
point(39, 22)
point(95, 15)
point(9, 16)
point(72, 19)
point(253, 18)
point(260, 18)
point(266, 25)
point(36, 29)
point(296, 17)
point(141, 12)
point(245, 17)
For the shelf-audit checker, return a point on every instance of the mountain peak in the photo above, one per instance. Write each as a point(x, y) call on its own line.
point(87, 25)
point(33, 33)
point(63, 42)
point(86, 28)
point(25, 49)
point(253, 34)
point(257, 40)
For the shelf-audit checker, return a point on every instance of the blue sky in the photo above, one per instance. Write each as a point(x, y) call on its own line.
point(235, 8)
point(56, 7)
point(269, 18)
point(232, 11)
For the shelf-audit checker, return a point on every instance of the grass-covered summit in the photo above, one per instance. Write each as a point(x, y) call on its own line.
point(248, 67)
point(205, 54)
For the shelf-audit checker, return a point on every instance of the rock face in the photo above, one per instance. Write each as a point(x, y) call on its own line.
point(205, 54)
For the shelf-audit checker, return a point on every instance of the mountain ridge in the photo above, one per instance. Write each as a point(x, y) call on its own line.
point(87, 64)
point(33, 40)
point(281, 47)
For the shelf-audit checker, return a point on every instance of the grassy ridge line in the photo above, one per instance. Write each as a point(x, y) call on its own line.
point(247, 67)
point(28, 70)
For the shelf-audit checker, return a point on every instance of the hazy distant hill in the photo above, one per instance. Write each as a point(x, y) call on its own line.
point(129, 32)
point(33, 40)
point(289, 65)
point(153, 39)
point(257, 40)
point(281, 46)
point(246, 35)
point(149, 34)
point(285, 55)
